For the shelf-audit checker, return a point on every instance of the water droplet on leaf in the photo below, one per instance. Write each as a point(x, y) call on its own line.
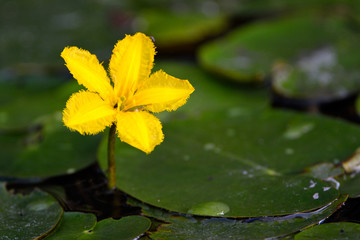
point(297, 130)
point(289, 151)
point(312, 184)
point(316, 196)
point(209, 146)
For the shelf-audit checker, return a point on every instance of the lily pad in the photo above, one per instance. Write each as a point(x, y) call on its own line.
point(75, 225)
point(174, 28)
point(249, 53)
point(243, 162)
point(27, 217)
point(49, 150)
point(187, 227)
point(331, 231)
point(327, 73)
point(24, 105)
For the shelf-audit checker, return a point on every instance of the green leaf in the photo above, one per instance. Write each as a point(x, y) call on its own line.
point(249, 53)
point(186, 227)
point(27, 217)
point(47, 151)
point(331, 231)
point(324, 74)
point(27, 106)
point(172, 29)
point(245, 162)
point(75, 225)
point(126, 228)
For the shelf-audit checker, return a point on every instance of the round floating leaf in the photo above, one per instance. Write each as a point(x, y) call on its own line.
point(76, 225)
point(181, 227)
point(245, 162)
point(249, 53)
point(27, 217)
point(46, 151)
point(171, 28)
point(327, 73)
point(27, 106)
point(331, 231)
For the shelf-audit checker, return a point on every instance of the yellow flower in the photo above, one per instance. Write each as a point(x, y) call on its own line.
point(129, 99)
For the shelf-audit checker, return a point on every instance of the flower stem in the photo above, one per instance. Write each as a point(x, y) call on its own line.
point(111, 157)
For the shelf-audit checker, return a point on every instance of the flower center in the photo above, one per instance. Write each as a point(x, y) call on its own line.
point(120, 104)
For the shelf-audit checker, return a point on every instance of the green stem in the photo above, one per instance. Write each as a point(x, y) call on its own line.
point(111, 157)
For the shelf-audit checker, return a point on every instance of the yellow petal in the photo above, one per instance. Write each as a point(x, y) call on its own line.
point(139, 129)
point(87, 70)
point(131, 62)
point(161, 92)
point(87, 113)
